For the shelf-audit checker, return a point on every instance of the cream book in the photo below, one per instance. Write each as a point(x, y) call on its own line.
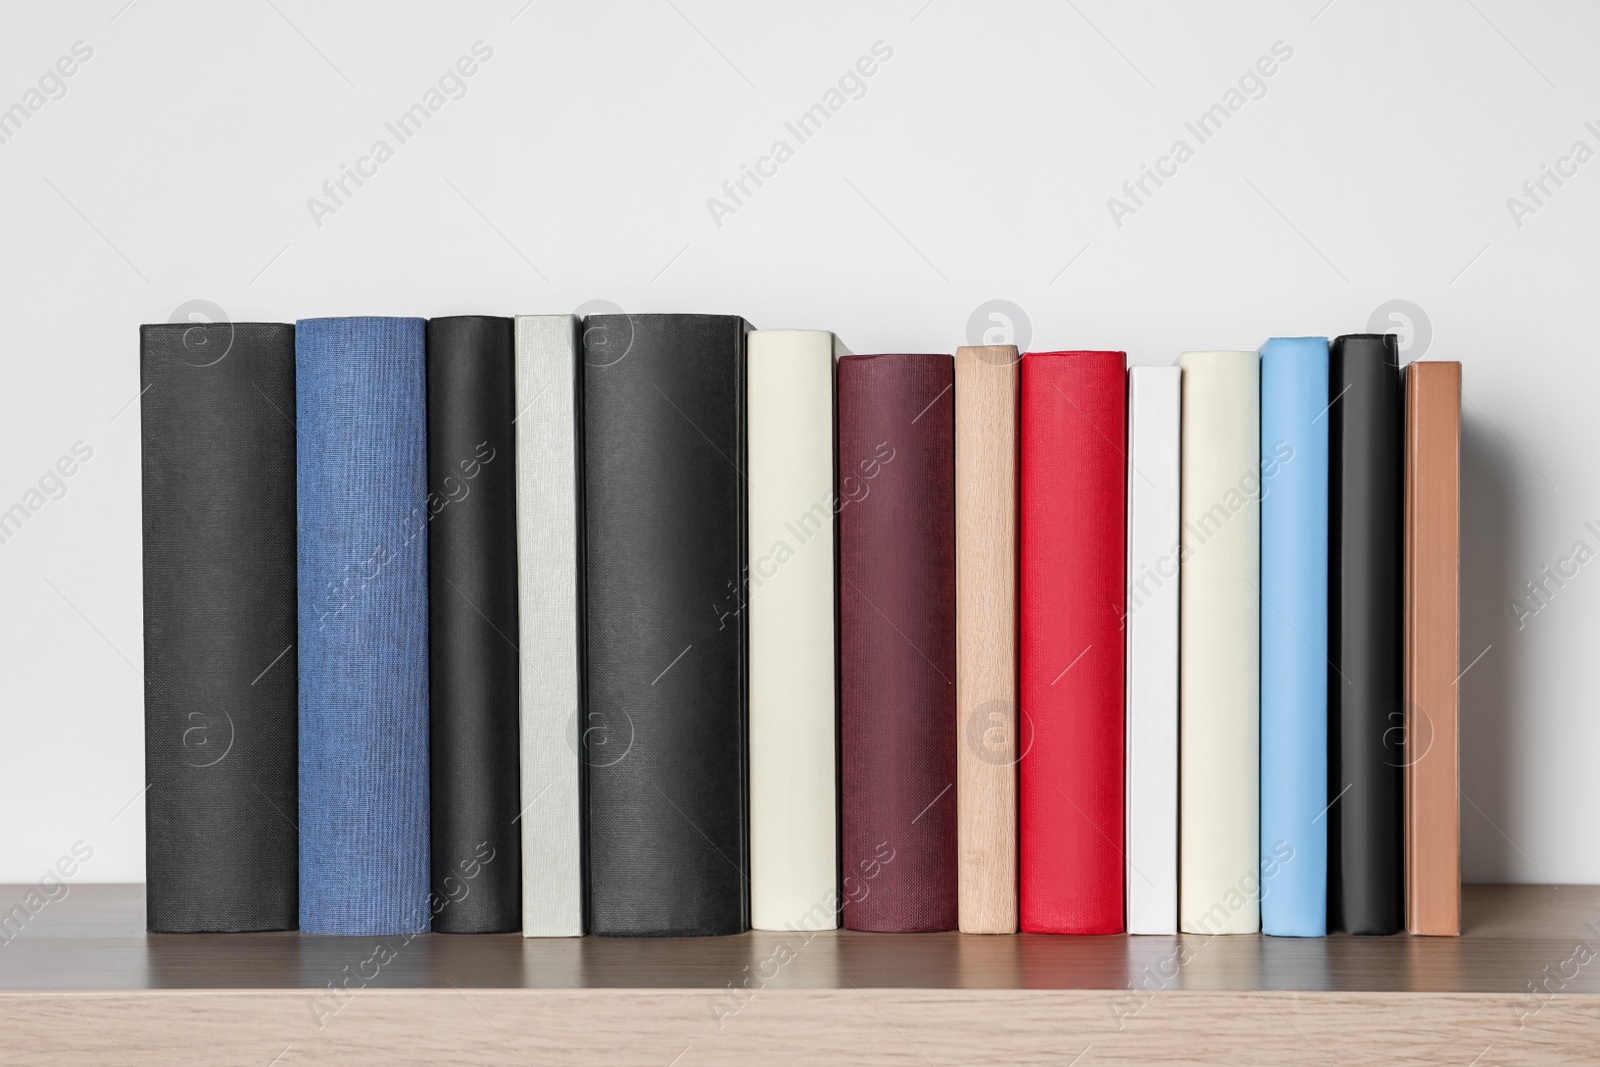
point(548, 436)
point(1151, 631)
point(790, 600)
point(1219, 885)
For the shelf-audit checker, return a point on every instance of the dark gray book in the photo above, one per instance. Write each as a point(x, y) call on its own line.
point(664, 549)
point(1366, 694)
point(217, 444)
point(473, 645)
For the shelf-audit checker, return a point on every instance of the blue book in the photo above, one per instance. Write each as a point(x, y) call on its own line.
point(363, 509)
point(1294, 636)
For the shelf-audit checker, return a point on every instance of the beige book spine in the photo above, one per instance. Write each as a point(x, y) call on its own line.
point(986, 382)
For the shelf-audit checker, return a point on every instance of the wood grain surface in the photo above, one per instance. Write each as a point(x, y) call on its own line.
point(986, 636)
point(685, 1029)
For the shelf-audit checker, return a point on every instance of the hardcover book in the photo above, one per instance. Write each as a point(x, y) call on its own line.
point(220, 699)
point(1294, 636)
point(472, 646)
point(549, 471)
point(1074, 551)
point(1432, 620)
point(665, 624)
point(1219, 778)
point(1366, 683)
point(794, 843)
point(986, 636)
point(1150, 622)
point(363, 510)
point(897, 642)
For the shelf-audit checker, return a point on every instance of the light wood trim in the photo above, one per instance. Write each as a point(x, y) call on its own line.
point(855, 1026)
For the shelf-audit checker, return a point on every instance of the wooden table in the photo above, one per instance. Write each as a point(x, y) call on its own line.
point(81, 982)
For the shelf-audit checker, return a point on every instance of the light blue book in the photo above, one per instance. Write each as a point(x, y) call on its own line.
point(1294, 636)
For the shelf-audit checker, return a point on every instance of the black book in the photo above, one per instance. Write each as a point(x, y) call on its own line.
point(472, 620)
point(664, 545)
point(220, 698)
point(1366, 711)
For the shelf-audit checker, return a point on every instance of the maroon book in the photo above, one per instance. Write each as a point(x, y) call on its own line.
point(897, 642)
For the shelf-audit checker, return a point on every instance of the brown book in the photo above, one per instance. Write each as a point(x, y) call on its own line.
point(986, 637)
point(1432, 595)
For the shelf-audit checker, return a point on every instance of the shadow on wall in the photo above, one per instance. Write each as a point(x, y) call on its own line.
point(1489, 470)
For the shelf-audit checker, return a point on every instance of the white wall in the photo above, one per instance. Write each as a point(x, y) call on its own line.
point(1376, 167)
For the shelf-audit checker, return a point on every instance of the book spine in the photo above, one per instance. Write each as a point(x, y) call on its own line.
point(1219, 601)
point(1432, 621)
point(794, 845)
point(472, 637)
point(549, 472)
point(1294, 636)
point(1366, 573)
point(1074, 552)
point(897, 642)
point(986, 636)
point(1150, 621)
point(220, 714)
point(666, 638)
point(363, 510)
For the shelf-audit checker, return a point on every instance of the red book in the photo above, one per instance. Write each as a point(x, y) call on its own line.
point(1071, 584)
point(897, 642)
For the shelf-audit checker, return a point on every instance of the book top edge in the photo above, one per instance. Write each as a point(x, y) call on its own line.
point(163, 326)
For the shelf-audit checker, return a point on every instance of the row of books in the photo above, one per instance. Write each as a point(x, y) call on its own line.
point(658, 625)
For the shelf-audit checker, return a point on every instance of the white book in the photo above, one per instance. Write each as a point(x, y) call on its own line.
point(1154, 403)
point(1219, 605)
point(548, 355)
point(793, 744)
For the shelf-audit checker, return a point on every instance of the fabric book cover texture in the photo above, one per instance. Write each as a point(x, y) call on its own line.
point(664, 545)
point(1150, 621)
point(472, 635)
point(1219, 730)
point(220, 712)
point(1073, 552)
point(794, 842)
point(549, 471)
point(1294, 636)
point(1366, 711)
point(986, 636)
point(897, 642)
point(1432, 598)
point(361, 414)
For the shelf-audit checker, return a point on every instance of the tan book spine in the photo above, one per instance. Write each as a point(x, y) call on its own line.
point(1432, 597)
point(986, 636)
